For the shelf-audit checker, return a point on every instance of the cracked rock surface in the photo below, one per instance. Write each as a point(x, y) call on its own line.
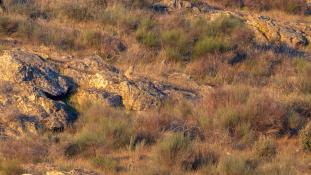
point(30, 93)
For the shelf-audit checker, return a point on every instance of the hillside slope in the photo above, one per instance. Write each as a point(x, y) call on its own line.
point(155, 87)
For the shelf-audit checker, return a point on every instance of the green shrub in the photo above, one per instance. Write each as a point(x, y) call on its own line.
point(171, 149)
point(305, 138)
point(222, 25)
point(177, 44)
point(148, 38)
point(146, 33)
point(210, 45)
point(265, 148)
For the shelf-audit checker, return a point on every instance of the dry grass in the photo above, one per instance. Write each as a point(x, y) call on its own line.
point(256, 92)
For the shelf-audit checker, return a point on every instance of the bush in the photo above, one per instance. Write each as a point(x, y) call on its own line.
point(177, 44)
point(305, 138)
point(171, 149)
point(146, 33)
point(210, 45)
point(265, 148)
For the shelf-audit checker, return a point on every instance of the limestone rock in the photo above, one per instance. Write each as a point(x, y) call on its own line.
point(20, 67)
point(85, 96)
point(95, 78)
point(30, 92)
point(272, 30)
point(93, 73)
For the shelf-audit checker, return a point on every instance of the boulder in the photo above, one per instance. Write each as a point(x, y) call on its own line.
point(31, 90)
point(22, 67)
point(268, 29)
point(96, 78)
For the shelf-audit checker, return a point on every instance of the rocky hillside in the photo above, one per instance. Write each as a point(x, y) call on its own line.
point(155, 87)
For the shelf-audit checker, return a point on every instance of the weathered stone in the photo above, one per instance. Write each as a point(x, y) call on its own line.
point(19, 67)
point(93, 73)
point(94, 77)
point(269, 29)
point(84, 96)
point(30, 90)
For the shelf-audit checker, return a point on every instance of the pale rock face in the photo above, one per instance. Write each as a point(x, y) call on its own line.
point(101, 77)
point(269, 29)
point(95, 78)
point(30, 87)
point(20, 67)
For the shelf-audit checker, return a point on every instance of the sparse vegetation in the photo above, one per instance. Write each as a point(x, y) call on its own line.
point(265, 148)
point(289, 6)
point(171, 149)
point(249, 112)
point(305, 138)
point(10, 168)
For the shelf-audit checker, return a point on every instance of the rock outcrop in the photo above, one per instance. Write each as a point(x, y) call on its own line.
point(34, 91)
point(273, 30)
point(106, 84)
point(31, 93)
